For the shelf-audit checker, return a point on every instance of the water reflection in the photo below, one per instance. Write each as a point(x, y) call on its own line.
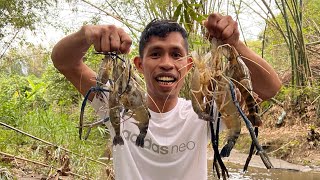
point(235, 172)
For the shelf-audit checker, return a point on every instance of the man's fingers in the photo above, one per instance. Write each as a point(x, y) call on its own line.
point(230, 35)
point(223, 28)
point(220, 28)
point(227, 32)
point(125, 41)
point(211, 23)
point(97, 45)
point(109, 39)
point(114, 41)
point(105, 43)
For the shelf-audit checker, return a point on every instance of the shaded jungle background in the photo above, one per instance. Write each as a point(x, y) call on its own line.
point(39, 109)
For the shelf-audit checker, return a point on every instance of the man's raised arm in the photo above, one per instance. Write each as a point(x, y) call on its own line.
point(68, 52)
point(265, 80)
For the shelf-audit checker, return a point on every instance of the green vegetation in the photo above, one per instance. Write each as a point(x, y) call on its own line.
point(34, 103)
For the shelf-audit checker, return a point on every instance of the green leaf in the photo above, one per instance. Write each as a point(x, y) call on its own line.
point(177, 12)
point(187, 21)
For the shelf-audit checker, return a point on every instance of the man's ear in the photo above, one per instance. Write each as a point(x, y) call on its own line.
point(138, 63)
point(190, 63)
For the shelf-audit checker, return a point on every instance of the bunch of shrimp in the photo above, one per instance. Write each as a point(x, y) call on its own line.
point(216, 76)
point(121, 94)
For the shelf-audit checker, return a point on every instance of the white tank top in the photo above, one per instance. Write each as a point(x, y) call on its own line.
point(175, 146)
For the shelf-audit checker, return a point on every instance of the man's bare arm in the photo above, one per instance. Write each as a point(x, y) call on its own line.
point(265, 80)
point(67, 54)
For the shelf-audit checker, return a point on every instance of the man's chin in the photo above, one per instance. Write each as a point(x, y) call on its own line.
point(167, 90)
point(169, 95)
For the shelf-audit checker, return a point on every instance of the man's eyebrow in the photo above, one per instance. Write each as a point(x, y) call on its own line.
point(155, 47)
point(174, 48)
point(177, 48)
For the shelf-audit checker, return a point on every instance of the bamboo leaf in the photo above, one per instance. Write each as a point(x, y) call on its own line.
point(177, 12)
point(187, 20)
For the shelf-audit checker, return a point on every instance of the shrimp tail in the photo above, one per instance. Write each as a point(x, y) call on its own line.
point(117, 140)
point(226, 150)
point(140, 139)
point(143, 132)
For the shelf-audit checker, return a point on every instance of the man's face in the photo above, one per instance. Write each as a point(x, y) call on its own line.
point(164, 65)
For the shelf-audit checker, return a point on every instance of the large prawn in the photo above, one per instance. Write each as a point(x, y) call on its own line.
point(100, 89)
point(202, 98)
point(114, 101)
point(130, 96)
point(134, 100)
point(239, 73)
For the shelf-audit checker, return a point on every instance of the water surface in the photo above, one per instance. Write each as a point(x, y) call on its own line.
point(254, 173)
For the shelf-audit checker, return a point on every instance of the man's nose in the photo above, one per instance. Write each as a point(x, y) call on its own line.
point(166, 62)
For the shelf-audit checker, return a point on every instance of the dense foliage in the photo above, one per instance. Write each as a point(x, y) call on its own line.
point(38, 100)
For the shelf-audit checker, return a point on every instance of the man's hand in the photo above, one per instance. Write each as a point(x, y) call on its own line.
point(223, 28)
point(107, 38)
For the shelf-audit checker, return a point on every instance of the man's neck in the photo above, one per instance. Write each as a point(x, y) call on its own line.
point(162, 106)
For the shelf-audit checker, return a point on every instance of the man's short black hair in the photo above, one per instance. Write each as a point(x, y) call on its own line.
point(161, 28)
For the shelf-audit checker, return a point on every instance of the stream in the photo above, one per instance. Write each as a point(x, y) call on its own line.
point(255, 173)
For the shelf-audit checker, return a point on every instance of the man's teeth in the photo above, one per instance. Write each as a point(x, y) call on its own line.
point(165, 79)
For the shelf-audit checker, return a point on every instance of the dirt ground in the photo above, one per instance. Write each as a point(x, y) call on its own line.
point(291, 144)
point(291, 141)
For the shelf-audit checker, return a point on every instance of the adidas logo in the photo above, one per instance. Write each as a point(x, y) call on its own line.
point(148, 144)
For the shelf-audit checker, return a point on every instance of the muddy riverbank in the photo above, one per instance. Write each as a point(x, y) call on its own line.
point(239, 158)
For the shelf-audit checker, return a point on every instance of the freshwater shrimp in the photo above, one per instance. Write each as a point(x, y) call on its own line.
point(134, 100)
point(240, 74)
point(102, 78)
point(114, 101)
point(202, 98)
point(200, 85)
point(230, 115)
point(235, 69)
point(109, 70)
point(228, 109)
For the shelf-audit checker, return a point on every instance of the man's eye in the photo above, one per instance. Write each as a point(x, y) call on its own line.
point(177, 55)
point(155, 54)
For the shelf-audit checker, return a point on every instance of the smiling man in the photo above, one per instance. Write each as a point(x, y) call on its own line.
point(164, 62)
point(176, 143)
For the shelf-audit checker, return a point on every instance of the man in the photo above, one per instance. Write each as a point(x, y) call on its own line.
point(176, 142)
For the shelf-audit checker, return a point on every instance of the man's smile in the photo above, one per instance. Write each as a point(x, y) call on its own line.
point(166, 79)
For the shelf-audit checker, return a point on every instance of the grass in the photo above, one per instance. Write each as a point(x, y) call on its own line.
point(59, 129)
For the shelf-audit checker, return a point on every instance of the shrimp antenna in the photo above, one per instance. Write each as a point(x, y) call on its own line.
point(179, 79)
point(255, 63)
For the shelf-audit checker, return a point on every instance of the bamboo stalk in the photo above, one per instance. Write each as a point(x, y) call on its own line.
point(290, 45)
point(238, 20)
point(313, 43)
